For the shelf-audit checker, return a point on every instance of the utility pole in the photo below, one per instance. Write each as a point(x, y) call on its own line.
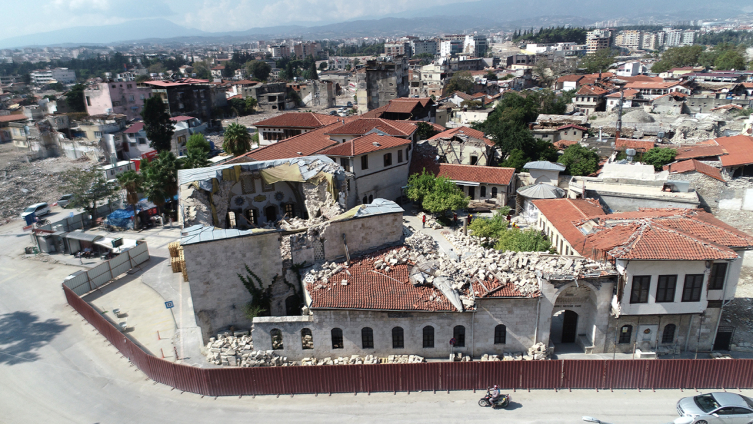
point(619, 118)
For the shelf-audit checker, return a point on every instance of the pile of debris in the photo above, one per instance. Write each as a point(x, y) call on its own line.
point(323, 272)
point(431, 222)
point(539, 351)
point(419, 242)
point(293, 223)
point(368, 359)
point(236, 350)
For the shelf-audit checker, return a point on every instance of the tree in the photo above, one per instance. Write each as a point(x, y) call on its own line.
point(199, 143)
point(323, 66)
point(251, 104)
point(258, 69)
point(27, 78)
point(544, 73)
point(197, 152)
point(201, 69)
point(517, 240)
point(89, 187)
point(677, 57)
point(436, 194)
point(142, 78)
point(659, 156)
point(157, 68)
point(425, 131)
point(731, 59)
point(600, 61)
point(131, 182)
point(237, 141)
point(516, 159)
point(238, 105)
point(56, 86)
point(579, 160)
point(75, 98)
point(161, 178)
point(157, 124)
point(462, 81)
point(312, 72)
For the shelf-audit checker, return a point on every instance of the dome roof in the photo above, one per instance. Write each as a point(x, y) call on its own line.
point(541, 191)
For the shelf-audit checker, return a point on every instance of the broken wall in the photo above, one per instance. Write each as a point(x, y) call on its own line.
point(216, 291)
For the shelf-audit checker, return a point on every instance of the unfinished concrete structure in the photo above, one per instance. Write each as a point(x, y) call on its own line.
point(380, 81)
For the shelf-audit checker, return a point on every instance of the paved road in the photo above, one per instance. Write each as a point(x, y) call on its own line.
point(54, 368)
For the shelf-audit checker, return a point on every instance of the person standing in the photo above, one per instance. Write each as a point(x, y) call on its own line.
point(455, 219)
point(423, 221)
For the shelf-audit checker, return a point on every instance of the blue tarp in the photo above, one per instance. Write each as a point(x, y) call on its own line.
point(124, 217)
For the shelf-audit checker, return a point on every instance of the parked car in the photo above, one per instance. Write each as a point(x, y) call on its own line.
point(715, 408)
point(64, 200)
point(350, 104)
point(38, 209)
point(334, 113)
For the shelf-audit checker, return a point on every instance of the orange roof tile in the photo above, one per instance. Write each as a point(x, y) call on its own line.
point(449, 133)
point(11, 118)
point(365, 144)
point(564, 213)
point(363, 125)
point(475, 173)
point(739, 150)
point(627, 94)
point(695, 151)
point(693, 165)
point(651, 85)
point(591, 90)
point(305, 144)
point(640, 145)
point(298, 120)
point(577, 127)
point(564, 144)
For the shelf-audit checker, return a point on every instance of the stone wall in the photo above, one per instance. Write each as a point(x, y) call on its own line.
point(518, 315)
point(686, 337)
point(710, 191)
point(216, 291)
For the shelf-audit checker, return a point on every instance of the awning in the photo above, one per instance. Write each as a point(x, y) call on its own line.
point(106, 242)
point(466, 183)
point(82, 236)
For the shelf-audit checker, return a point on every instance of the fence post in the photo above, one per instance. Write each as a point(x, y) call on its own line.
point(109, 266)
point(130, 259)
point(89, 280)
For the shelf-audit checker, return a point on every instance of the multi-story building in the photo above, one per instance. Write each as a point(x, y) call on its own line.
point(688, 38)
point(302, 50)
point(598, 39)
point(125, 98)
point(475, 45)
point(186, 97)
point(450, 47)
point(398, 48)
point(674, 37)
point(48, 76)
point(381, 81)
point(423, 46)
point(630, 39)
point(279, 50)
point(654, 40)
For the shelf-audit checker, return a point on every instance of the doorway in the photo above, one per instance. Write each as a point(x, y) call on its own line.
point(472, 192)
point(569, 326)
point(270, 212)
point(723, 338)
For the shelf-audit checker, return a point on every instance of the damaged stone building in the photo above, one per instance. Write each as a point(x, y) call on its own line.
point(465, 146)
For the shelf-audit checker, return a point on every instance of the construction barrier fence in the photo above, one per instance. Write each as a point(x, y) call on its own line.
point(434, 376)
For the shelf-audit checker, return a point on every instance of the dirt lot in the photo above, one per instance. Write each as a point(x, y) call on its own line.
point(24, 183)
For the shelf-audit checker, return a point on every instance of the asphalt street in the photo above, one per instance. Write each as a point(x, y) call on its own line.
point(55, 368)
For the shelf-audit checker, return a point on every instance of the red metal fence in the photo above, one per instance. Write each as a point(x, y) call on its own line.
point(435, 376)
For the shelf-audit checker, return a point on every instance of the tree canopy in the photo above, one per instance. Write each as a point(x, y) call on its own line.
point(425, 131)
point(89, 188)
point(579, 160)
point(75, 98)
point(659, 156)
point(157, 124)
point(197, 152)
point(258, 69)
point(161, 178)
point(508, 239)
point(460, 81)
point(436, 194)
point(600, 61)
point(551, 35)
point(132, 182)
point(237, 140)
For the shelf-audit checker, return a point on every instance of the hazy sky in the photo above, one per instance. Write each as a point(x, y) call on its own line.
point(22, 17)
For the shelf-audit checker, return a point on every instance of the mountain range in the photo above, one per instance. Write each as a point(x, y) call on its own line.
point(479, 15)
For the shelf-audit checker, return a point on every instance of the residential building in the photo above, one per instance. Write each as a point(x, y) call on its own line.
point(290, 124)
point(653, 40)
point(269, 96)
point(7, 132)
point(631, 39)
point(111, 171)
point(450, 47)
point(406, 109)
point(569, 132)
point(475, 45)
point(125, 98)
point(48, 76)
point(598, 39)
point(464, 146)
point(380, 81)
point(423, 46)
point(303, 50)
point(630, 69)
point(589, 99)
point(398, 48)
point(188, 96)
point(651, 90)
point(674, 37)
point(217, 71)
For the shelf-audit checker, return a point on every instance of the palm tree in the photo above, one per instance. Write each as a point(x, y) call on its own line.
point(237, 140)
point(132, 183)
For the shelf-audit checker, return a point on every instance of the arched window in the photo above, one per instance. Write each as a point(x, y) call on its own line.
point(626, 333)
point(307, 340)
point(458, 333)
point(500, 334)
point(337, 338)
point(483, 191)
point(428, 336)
point(365, 200)
point(668, 336)
point(494, 192)
point(367, 338)
point(276, 339)
point(398, 342)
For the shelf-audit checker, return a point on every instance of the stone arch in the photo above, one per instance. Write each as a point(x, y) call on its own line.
point(543, 179)
point(575, 315)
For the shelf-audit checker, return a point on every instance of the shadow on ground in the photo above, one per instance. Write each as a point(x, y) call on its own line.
point(21, 333)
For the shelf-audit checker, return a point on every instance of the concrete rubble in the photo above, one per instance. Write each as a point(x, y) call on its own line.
point(237, 350)
point(368, 359)
point(539, 351)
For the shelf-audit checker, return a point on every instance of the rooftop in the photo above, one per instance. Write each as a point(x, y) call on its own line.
point(470, 132)
point(365, 144)
point(364, 125)
point(739, 150)
point(308, 120)
point(475, 173)
point(693, 165)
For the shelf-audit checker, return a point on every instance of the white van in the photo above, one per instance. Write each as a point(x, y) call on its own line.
point(37, 209)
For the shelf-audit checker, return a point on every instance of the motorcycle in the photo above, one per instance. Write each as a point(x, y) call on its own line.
point(501, 402)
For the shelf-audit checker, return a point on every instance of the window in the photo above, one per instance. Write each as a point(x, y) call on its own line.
point(458, 333)
point(483, 191)
point(668, 336)
point(387, 159)
point(129, 85)
point(267, 187)
point(397, 338)
point(97, 133)
point(345, 163)
point(365, 162)
point(88, 101)
point(494, 192)
point(142, 140)
point(337, 338)
point(665, 289)
point(691, 291)
point(130, 98)
point(626, 332)
point(474, 160)
point(276, 339)
point(247, 184)
point(289, 209)
point(367, 338)
point(640, 289)
point(399, 156)
point(716, 279)
point(428, 337)
point(500, 334)
point(252, 216)
point(307, 340)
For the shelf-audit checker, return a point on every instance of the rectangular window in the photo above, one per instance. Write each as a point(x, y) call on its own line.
point(142, 140)
point(639, 293)
point(129, 86)
point(399, 156)
point(345, 163)
point(247, 184)
point(88, 101)
point(718, 274)
point(387, 159)
point(365, 162)
point(665, 289)
point(691, 291)
point(97, 133)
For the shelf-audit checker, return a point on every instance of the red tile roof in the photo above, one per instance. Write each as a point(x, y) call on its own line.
point(495, 289)
point(640, 145)
point(645, 78)
point(365, 144)
point(651, 85)
point(369, 288)
point(305, 144)
point(181, 118)
point(184, 81)
point(363, 125)
point(474, 173)
point(739, 150)
point(11, 118)
point(590, 90)
point(136, 127)
point(308, 120)
point(449, 133)
point(627, 94)
point(564, 213)
point(406, 104)
point(693, 165)
point(375, 113)
point(695, 151)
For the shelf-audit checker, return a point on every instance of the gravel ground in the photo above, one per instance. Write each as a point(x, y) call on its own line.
point(24, 183)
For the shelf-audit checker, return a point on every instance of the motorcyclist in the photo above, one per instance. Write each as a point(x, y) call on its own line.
point(494, 394)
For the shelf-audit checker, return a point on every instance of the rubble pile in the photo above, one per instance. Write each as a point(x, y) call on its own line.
point(293, 223)
point(236, 350)
point(419, 242)
point(539, 351)
point(323, 272)
point(368, 359)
